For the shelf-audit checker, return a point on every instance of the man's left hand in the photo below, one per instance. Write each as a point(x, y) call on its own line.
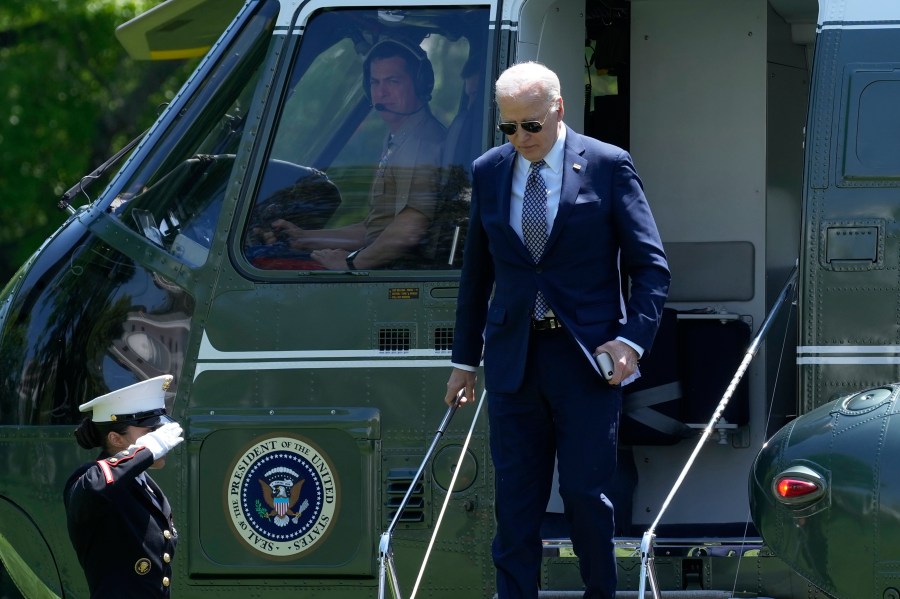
point(625, 359)
point(331, 259)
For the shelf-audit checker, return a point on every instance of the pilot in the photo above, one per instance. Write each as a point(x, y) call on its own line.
point(398, 80)
point(119, 520)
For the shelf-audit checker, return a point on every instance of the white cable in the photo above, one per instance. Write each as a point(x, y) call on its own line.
point(784, 341)
point(437, 524)
point(650, 533)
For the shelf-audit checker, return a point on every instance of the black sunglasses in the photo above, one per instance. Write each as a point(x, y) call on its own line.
point(510, 128)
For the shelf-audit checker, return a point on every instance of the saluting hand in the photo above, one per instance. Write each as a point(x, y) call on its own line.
point(162, 440)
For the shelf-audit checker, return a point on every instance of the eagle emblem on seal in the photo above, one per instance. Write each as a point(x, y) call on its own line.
point(281, 493)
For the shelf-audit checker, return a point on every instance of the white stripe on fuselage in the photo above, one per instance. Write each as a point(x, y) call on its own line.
point(848, 354)
point(212, 358)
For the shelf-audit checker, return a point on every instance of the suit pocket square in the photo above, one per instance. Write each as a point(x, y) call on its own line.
point(586, 199)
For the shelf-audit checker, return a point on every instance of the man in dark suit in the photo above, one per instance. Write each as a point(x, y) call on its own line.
point(556, 219)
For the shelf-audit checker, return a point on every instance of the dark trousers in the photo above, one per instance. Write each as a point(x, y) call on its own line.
point(565, 410)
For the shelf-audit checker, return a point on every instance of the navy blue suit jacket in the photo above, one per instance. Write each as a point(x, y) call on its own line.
point(603, 223)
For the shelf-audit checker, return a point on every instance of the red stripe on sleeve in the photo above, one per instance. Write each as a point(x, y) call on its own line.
point(107, 471)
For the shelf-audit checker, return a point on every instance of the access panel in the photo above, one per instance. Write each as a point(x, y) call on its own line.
point(286, 495)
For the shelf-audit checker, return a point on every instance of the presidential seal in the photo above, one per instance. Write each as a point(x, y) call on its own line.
point(142, 566)
point(282, 496)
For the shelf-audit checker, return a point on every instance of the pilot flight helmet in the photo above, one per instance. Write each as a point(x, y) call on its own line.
point(141, 404)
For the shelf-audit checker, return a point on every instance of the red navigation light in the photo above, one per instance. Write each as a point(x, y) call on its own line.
point(798, 486)
point(792, 488)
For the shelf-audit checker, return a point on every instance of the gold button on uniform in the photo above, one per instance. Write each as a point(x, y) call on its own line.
point(167, 558)
point(165, 581)
point(167, 534)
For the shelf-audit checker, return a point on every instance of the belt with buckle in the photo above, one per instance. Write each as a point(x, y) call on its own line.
point(546, 324)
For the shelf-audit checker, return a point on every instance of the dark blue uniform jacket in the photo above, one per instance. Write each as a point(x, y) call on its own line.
point(124, 536)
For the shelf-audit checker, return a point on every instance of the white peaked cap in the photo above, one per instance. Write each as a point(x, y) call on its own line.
point(142, 403)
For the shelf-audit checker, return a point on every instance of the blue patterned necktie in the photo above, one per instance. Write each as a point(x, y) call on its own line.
point(534, 224)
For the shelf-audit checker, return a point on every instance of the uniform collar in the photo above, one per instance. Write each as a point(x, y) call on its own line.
point(413, 123)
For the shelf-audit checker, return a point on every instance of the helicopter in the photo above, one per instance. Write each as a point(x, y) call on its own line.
point(762, 131)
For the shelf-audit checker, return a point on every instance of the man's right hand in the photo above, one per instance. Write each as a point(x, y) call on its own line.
point(285, 230)
point(460, 380)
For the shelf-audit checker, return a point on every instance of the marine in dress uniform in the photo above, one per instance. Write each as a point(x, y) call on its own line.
point(119, 520)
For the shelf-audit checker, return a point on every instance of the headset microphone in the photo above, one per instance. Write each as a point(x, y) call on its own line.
point(383, 108)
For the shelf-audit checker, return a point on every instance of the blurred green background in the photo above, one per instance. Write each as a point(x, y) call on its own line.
point(70, 97)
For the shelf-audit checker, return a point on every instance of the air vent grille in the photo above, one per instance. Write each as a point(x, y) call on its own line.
point(443, 339)
point(394, 340)
point(398, 481)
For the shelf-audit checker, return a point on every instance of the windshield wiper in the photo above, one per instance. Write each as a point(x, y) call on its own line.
point(64, 204)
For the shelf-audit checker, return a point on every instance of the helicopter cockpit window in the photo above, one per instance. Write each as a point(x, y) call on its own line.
point(175, 199)
point(369, 166)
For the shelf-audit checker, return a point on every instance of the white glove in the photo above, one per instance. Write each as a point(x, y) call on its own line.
point(163, 439)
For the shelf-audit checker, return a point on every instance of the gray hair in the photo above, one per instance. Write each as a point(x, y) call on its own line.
point(530, 79)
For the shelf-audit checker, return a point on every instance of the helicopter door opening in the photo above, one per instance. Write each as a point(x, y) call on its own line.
point(709, 97)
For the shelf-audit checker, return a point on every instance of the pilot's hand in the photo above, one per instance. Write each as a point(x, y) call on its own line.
point(331, 259)
point(284, 230)
point(262, 236)
point(162, 440)
point(460, 380)
point(624, 357)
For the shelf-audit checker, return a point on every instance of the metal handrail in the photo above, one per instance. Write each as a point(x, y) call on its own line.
point(387, 574)
point(647, 557)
